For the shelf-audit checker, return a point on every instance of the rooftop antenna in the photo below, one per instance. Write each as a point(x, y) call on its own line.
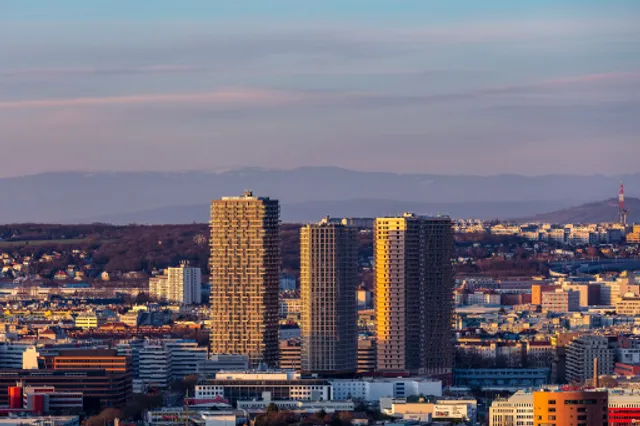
point(623, 213)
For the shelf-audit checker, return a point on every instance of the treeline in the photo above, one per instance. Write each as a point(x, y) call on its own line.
point(147, 247)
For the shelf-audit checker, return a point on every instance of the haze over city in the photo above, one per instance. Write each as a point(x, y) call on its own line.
point(462, 87)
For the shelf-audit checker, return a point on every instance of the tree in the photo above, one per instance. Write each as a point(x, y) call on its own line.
point(272, 409)
point(136, 407)
point(106, 416)
point(142, 298)
point(345, 418)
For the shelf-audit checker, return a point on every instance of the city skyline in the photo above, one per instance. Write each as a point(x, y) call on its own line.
point(333, 213)
point(461, 87)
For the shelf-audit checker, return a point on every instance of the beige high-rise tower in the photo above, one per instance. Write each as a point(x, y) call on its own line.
point(414, 294)
point(244, 264)
point(328, 281)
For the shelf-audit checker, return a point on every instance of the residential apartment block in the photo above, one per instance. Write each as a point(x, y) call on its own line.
point(244, 264)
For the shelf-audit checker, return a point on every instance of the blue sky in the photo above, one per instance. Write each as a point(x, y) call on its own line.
point(455, 87)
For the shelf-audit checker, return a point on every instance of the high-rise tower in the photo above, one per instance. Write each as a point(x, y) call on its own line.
point(328, 281)
point(414, 294)
point(244, 264)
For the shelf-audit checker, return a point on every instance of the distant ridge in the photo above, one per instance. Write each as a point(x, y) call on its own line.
point(312, 211)
point(601, 211)
point(164, 197)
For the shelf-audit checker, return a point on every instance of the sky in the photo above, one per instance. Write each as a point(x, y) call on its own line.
point(414, 86)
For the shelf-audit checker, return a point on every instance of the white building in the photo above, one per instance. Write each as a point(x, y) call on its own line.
point(179, 285)
point(170, 416)
point(185, 356)
point(374, 389)
point(154, 367)
point(465, 410)
point(517, 410)
point(161, 361)
point(18, 355)
point(243, 385)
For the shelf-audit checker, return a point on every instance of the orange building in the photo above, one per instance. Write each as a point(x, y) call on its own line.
point(96, 359)
point(538, 289)
point(570, 408)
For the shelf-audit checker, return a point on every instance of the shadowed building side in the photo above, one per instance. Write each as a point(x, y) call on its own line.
point(328, 281)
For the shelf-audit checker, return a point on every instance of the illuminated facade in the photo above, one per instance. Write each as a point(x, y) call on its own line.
point(244, 264)
point(414, 294)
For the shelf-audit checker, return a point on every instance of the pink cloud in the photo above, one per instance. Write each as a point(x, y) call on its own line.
point(591, 78)
point(222, 97)
point(50, 72)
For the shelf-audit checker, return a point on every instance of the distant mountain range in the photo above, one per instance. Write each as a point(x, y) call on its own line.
point(601, 211)
point(311, 211)
point(306, 194)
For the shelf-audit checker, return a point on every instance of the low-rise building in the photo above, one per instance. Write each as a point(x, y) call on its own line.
point(367, 355)
point(208, 368)
point(458, 410)
point(501, 378)
point(372, 389)
point(623, 409)
point(107, 389)
point(517, 410)
point(628, 305)
point(561, 300)
point(290, 354)
point(570, 408)
point(282, 385)
point(88, 320)
point(260, 406)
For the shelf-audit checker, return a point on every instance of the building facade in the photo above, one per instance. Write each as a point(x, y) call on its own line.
point(95, 359)
point(367, 356)
point(244, 264)
point(328, 281)
point(515, 411)
point(629, 305)
point(179, 285)
point(580, 355)
point(291, 354)
point(372, 389)
point(561, 301)
point(238, 386)
point(414, 294)
point(501, 378)
point(98, 388)
point(573, 408)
